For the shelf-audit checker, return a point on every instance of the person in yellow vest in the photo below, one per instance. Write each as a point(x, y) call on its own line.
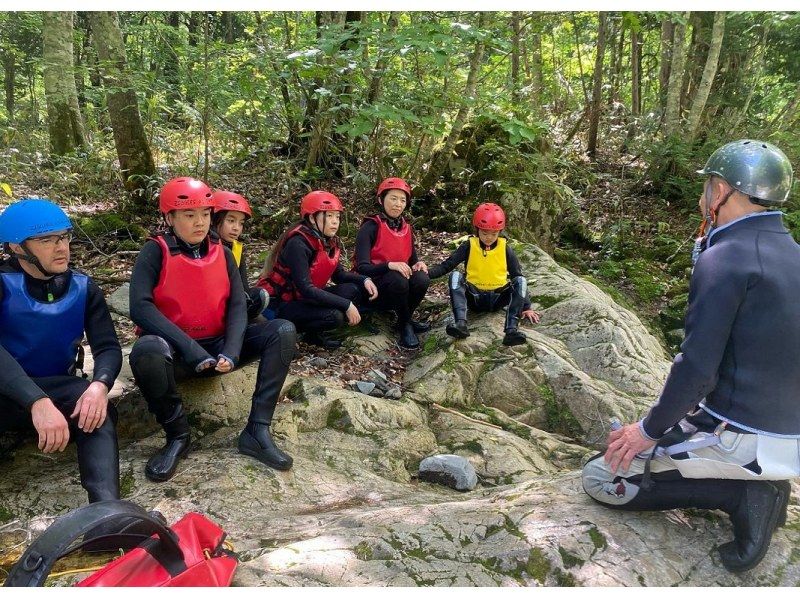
point(231, 211)
point(493, 278)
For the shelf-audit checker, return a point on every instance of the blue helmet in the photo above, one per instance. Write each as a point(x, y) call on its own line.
point(31, 218)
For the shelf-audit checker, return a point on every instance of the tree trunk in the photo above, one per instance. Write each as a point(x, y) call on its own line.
point(171, 62)
point(133, 151)
point(709, 71)
point(229, 18)
point(9, 72)
point(441, 158)
point(536, 67)
point(380, 64)
point(754, 79)
point(64, 121)
point(597, 88)
point(515, 35)
point(636, 73)
point(580, 60)
point(673, 111)
point(667, 33)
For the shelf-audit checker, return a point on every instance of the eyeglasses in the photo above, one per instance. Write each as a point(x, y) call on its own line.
point(53, 240)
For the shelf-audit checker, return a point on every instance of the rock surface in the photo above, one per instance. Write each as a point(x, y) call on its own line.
point(352, 512)
point(449, 470)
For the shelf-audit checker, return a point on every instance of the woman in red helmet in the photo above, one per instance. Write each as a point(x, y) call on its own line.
point(385, 252)
point(188, 302)
point(299, 269)
point(493, 277)
point(231, 211)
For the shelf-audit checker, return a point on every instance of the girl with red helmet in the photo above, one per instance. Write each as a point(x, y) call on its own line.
point(385, 252)
point(493, 277)
point(187, 299)
point(231, 211)
point(298, 272)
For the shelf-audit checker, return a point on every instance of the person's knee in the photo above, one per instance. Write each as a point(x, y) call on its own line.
point(348, 290)
point(601, 484)
point(420, 281)
point(287, 340)
point(455, 280)
point(395, 283)
point(150, 345)
point(520, 285)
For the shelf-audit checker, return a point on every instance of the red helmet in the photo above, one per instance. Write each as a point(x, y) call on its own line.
point(184, 193)
point(319, 201)
point(489, 216)
point(394, 183)
point(229, 201)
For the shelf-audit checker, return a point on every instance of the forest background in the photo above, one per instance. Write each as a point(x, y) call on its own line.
point(586, 127)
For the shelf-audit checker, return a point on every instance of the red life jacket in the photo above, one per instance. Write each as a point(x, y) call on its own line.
point(278, 282)
point(193, 293)
point(390, 245)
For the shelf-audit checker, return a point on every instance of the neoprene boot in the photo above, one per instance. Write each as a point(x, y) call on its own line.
point(321, 340)
point(458, 329)
point(257, 301)
point(256, 441)
point(161, 466)
point(513, 336)
point(420, 326)
point(98, 458)
point(408, 338)
point(754, 520)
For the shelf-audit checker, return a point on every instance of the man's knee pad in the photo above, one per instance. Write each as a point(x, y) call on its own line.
point(520, 285)
point(456, 280)
point(605, 487)
point(287, 335)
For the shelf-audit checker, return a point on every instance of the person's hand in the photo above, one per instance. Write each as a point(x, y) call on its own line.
point(223, 365)
point(51, 426)
point(531, 316)
point(420, 266)
point(371, 289)
point(624, 444)
point(92, 407)
point(353, 317)
point(209, 362)
point(401, 267)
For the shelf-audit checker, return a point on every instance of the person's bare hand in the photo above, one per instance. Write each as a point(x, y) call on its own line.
point(531, 316)
point(420, 266)
point(401, 267)
point(51, 426)
point(371, 289)
point(92, 407)
point(353, 317)
point(624, 444)
point(223, 365)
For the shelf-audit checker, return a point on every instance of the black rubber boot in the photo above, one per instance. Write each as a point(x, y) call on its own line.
point(256, 441)
point(754, 520)
point(98, 458)
point(126, 534)
point(420, 326)
point(321, 340)
point(408, 338)
point(459, 329)
point(161, 466)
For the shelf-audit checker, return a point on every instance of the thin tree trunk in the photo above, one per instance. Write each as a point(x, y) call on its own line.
point(709, 72)
point(754, 81)
point(597, 88)
point(580, 60)
point(229, 19)
point(515, 36)
point(135, 160)
point(536, 67)
point(380, 64)
point(64, 120)
point(9, 73)
point(206, 113)
point(441, 158)
point(675, 86)
point(171, 66)
point(636, 73)
point(667, 33)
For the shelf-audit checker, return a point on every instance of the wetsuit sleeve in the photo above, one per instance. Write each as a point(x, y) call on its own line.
point(457, 257)
point(716, 291)
point(413, 259)
point(514, 270)
point(102, 337)
point(341, 275)
point(236, 312)
point(365, 241)
point(243, 271)
point(297, 255)
point(144, 312)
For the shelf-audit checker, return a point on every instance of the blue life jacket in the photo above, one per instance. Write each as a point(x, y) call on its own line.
point(42, 337)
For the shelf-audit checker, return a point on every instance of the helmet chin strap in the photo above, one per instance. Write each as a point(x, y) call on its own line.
point(33, 260)
point(320, 230)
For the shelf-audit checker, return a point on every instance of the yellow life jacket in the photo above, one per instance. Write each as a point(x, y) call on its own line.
point(487, 269)
point(236, 248)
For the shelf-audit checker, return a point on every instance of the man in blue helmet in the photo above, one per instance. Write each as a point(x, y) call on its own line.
point(45, 309)
point(725, 432)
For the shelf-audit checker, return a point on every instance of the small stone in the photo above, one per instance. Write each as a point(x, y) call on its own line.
point(362, 387)
point(119, 300)
point(448, 470)
point(379, 379)
point(376, 392)
point(318, 362)
point(394, 393)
